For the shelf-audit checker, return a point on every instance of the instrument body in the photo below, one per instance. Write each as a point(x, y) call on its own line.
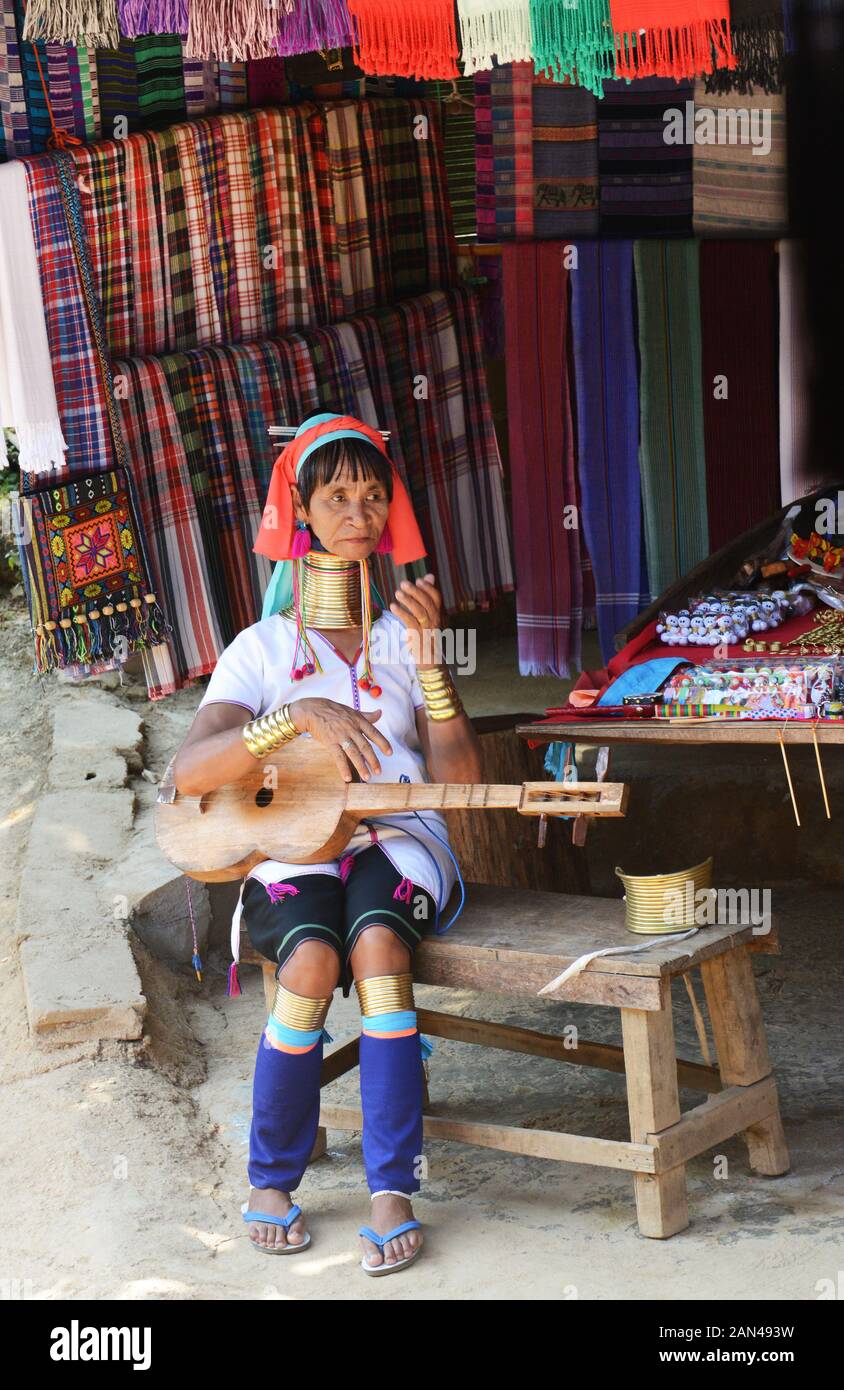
point(295, 807)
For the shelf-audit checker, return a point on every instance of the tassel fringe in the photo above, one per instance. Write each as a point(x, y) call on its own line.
point(573, 42)
point(681, 52)
point(400, 38)
point(234, 33)
point(314, 25)
point(759, 46)
point(501, 31)
point(75, 22)
point(90, 636)
point(139, 17)
point(41, 447)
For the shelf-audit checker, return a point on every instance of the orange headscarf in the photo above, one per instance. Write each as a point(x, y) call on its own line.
point(277, 529)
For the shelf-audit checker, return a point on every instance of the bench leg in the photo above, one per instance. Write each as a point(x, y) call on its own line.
point(742, 1047)
point(654, 1104)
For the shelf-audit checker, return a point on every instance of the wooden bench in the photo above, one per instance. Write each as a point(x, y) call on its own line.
point(514, 942)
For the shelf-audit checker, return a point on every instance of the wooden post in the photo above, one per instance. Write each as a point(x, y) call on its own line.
point(742, 1047)
point(654, 1105)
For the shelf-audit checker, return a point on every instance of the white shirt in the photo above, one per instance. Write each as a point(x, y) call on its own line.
point(254, 671)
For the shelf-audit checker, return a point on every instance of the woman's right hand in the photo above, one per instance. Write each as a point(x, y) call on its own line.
point(348, 733)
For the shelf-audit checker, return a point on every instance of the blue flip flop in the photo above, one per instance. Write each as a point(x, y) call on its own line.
point(378, 1270)
point(285, 1222)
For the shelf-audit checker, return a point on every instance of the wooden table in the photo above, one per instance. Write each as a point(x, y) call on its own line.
point(608, 731)
point(515, 941)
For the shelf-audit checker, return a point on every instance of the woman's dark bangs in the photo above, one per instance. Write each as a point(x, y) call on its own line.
point(363, 461)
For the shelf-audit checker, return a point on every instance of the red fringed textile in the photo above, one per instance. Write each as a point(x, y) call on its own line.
point(399, 38)
point(695, 39)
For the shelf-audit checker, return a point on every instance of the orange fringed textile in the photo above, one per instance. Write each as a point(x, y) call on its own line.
point(405, 38)
point(696, 39)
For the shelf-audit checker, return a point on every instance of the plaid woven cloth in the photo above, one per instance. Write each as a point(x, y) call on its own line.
point(458, 128)
point(351, 207)
point(80, 391)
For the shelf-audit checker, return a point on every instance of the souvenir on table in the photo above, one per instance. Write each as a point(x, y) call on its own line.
point(817, 534)
point(774, 689)
point(724, 618)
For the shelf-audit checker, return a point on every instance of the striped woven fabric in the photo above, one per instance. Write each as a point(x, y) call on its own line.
point(14, 129)
point(604, 342)
point(457, 118)
point(546, 536)
point(511, 92)
point(565, 160)
point(671, 451)
point(740, 178)
point(646, 183)
point(117, 80)
point(161, 81)
point(484, 160)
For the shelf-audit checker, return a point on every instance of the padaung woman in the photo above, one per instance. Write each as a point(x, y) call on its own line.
point(370, 689)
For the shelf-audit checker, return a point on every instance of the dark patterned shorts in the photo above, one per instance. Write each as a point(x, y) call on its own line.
point(328, 910)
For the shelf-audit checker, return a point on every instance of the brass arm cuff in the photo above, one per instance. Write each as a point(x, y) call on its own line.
point(262, 735)
point(385, 994)
point(297, 1011)
point(441, 699)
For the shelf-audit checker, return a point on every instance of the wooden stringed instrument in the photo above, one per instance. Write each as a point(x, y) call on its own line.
point(296, 807)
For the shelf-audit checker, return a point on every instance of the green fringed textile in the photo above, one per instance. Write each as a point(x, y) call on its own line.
point(573, 41)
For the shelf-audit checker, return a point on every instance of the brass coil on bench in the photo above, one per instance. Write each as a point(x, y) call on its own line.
point(651, 899)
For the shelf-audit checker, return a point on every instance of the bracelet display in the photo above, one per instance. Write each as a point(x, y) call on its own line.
point(262, 735)
point(441, 699)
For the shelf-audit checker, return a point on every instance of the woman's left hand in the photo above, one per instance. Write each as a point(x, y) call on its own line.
point(420, 608)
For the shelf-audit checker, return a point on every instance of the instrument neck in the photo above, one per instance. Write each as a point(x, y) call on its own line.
point(432, 796)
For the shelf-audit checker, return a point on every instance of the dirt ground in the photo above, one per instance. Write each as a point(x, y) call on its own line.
point(124, 1165)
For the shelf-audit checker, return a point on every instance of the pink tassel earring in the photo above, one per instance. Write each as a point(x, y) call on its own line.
point(301, 541)
point(385, 544)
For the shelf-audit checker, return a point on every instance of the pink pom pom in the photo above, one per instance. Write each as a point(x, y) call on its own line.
point(301, 542)
point(385, 544)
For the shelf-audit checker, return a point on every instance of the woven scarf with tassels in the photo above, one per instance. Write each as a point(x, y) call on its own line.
point(75, 22)
point(573, 41)
point(405, 38)
point(235, 31)
point(695, 39)
point(499, 28)
point(759, 46)
point(140, 17)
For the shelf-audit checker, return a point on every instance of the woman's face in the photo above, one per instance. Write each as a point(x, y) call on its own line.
point(347, 516)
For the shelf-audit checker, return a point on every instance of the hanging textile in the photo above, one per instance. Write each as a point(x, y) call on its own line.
point(546, 536)
point(759, 45)
point(161, 80)
point(14, 126)
point(565, 160)
point(671, 451)
point(511, 91)
point(314, 25)
point(573, 41)
point(80, 391)
point(139, 17)
point(740, 176)
point(498, 29)
point(266, 82)
point(117, 79)
point(87, 575)
point(738, 287)
point(484, 160)
point(457, 118)
point(234, 32)
point(27, 393)
point(681, 40)
point(93, 23)
point(405, 40)
point(603, 318)
point(796, 371)
point(646, 183)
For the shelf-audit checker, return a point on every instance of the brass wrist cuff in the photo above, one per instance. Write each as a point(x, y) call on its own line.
point(385, 994)
point(297, 1011)
point(441, 699)
point(262, 735)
